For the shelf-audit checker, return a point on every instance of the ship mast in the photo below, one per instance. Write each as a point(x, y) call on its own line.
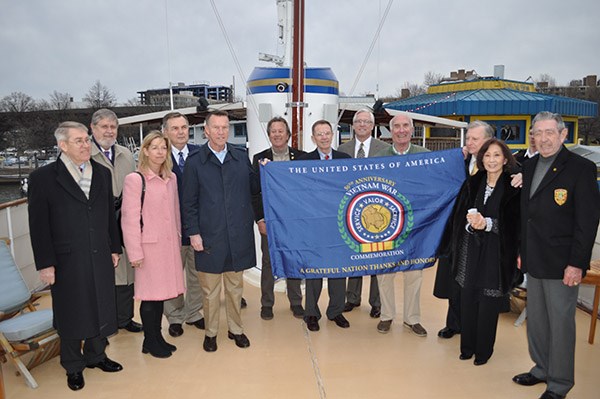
point(297, 103)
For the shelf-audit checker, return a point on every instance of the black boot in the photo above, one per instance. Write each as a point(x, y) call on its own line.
point(148, 313)
point(161, 339)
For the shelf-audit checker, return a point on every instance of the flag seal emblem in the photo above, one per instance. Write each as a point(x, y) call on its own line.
point(374, 217)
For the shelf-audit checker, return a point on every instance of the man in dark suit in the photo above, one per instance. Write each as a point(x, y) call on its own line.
point(279, 135)
point(184, 308)
point(527, 153)
point(322, 136)
point(478, 132)
point(363, 145)
point(76, 247)
point(560, 208)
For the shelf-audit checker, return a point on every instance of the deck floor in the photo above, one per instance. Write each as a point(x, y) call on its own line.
point(286, 361)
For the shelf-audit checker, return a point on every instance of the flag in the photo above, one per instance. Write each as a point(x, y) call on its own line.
point(354, 217)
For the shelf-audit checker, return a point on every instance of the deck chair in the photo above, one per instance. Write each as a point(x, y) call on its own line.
point(23, 329)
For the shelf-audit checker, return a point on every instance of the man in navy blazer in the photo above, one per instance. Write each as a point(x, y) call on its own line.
point(560, 208)
point(322, 135)
point(184, 308)
point(279, 136)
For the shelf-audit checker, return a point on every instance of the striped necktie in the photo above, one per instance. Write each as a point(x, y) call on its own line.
point(107, 154)
point(181, 161)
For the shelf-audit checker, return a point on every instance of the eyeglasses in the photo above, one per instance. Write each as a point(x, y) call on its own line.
point(80, 142)
point(363, 122)
point(323, 134)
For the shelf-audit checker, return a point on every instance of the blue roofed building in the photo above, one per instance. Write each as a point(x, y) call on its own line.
point(507, 105)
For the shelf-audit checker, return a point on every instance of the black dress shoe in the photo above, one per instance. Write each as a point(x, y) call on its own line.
point(175, 330)
point(341, 321)
point(75, 381)
point(526, 379)
point(551, 395)
point(244, 304)
point(465, 357)
point(240, 339)
point(349, 306)
point(210, 344)
point(375, 312)
point(266, 313)
point(298, 311)
point(480, 362)
point(312, 323)
point(447, 332)
point(199, 324)
point(132, 326)
point(107, 365)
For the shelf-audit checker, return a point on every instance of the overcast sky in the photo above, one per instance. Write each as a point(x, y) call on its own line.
point(66, 45)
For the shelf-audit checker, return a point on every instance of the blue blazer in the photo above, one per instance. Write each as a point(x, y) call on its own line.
point(192, 148)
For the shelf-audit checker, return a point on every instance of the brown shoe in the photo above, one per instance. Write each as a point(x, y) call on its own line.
point(384, 326)
point(416, 329)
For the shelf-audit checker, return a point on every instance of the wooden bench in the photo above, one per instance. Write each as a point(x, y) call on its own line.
point(593, 278)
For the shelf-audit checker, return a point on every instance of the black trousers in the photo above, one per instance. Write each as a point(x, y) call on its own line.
point(479, 322)
point(453, 315)
point(337, 293)
point(73, 360)
point(124, 295)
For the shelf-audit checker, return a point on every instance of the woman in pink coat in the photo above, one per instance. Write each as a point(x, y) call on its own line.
point(153, 238)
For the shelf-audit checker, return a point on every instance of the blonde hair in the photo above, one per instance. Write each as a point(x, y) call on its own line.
point(165, 168)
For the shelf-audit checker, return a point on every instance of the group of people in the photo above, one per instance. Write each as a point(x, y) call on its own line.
point(187, 215)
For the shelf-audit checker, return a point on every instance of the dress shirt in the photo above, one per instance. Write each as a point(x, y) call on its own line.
point(221, 154)
point(366, 146)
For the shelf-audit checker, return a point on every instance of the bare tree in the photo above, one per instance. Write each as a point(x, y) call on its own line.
point(99, 96)
point(414, 89)
point(432, 78)
point(133, 102)
point(60, 101)
point(546, 77)
point(17, 102)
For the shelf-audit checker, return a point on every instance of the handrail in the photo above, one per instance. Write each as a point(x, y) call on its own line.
point(8, 204)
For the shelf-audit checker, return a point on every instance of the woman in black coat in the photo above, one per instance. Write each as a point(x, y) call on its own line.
point(484, 242)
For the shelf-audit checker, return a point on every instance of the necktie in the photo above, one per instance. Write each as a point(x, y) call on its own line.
point(475, 169)
point(181, 161)
point(107, 153)
point(361, 151)
point(326, 157)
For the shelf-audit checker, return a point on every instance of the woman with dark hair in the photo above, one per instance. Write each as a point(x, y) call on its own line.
point(152, 234)
point(484, 239)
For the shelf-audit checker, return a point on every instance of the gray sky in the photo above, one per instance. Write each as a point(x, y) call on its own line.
point(66, 45)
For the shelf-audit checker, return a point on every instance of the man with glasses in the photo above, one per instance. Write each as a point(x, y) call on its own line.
point(322, 136)
point(119, 160)
point(76, 247)
point(560, 208)
point(363, 145)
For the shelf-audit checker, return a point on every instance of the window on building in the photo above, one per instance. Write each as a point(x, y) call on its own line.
point(510, 131)
point(239, 130)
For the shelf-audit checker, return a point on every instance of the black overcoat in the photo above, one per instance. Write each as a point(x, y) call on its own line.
point(76, 235)
point(508, 225)
point(217, 204)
